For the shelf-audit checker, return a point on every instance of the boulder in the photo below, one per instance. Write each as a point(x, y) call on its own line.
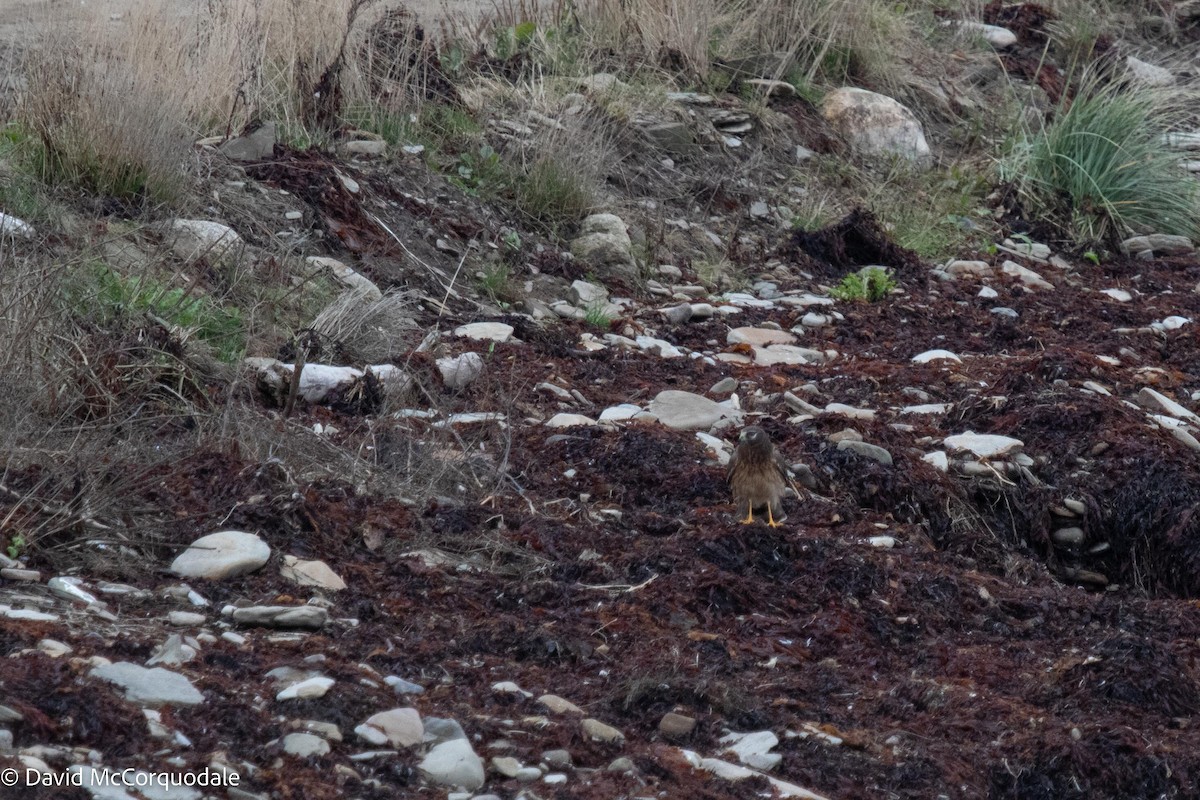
point(876, 125)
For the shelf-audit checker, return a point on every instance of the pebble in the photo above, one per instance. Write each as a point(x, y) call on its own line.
point(1068, 536)
point(186, 619)
point(311, 573)
point(224, 554)
point(1120, 295)
point(677, 315)
point(850, 412)
point(528, 774)
point(871, 451)
point(555, 778)
point(558, 705)
point(938, 460)
point(54, 648)
point(988, 293)
point(598, 731)
point(508, 687)
point(1027, 276)
point(401, 686)
point(71, 589)
point(557, 758)
point(506, 766)
point(23, 575)
point(621, 764)
point(724, 386)
point(935, 355)
point(676, 725)
point(459, 372)
point(1005, 311)
point(760, 337)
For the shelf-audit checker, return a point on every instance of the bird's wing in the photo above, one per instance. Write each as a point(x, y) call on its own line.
point(782, 466)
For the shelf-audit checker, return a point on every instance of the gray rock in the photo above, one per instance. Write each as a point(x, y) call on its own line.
point(724, 386)
point(1156, 401)
point(598, 731)
point(689, 412)
point(398, 727)
point(528, 774)
point(401, 686)
point(150, 687)
point(172, 652)
point(453, 763)
point(935, 355)
point(461, 371)
point(485, 331)
point(676, 138)
point(1148, 74)
point(190, 239)
point(559, 705)
point(306, 689)
point(438, 729)
point(621, 764)
point(1161, 243)
point(12, 226)
point(306, 617)
point(1068, 536)
point(506, 766)
point(311, 573)
point(702, 311)
point(305, 745)
point(871, 451)
point(348, 277)
point(225, 554)
point(984, 445)
point(71, 589)
point(585, 294)
point(979, 269)
point(677, 315)
point(676, 725)
point(604, 244)
point(364, 147)
point(565, 420)
point(186, 619)
point(876, 125)
point(557, 758)
point(254, 146)
point(760, 210)
point(1026, 276)
point(997, 37)
point(1005, 311)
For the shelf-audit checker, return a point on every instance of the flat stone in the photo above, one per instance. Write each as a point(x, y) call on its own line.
point(225, 554)
point(1156, 401)
point(1120, 295)
point(598, 731)
point(150, 687)
point(558, 705)
point(677, 315)
point(400, 727)
point(998, 37)
point(308, 689)
point(254, 146)
point(871, 451)
point(983, 445)
point(364, 147)
point(348, 277)
point(690, 412)
point(401, 686)
point(620, 413)
point(311, 573)
point(1148, 74)
point(565, 420)
point(1026, 276)
point(760, 337)
point(961, 268)
point(787, 354)
point(485, 331)
point(453, 763)
point(173, 652)
point(305, 745)
point(850, 412)
point(70, 588)
point(935, 355)
point(307, 617)
point(724, 386)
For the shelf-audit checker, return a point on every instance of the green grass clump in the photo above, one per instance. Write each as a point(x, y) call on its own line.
point(1101, 167)
point(221, 327)
point(868, 285)
point(551, 194)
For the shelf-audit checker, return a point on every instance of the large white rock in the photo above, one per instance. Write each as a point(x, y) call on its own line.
point(485, 331)
point(689, 412)
point(150, 687)
point(876, 125)
point(453, 763)
point(399, 727)
point(983, 445)
point(195, 238)
point(1148, 74)
point(304, 745)
point(224, 554)
point(997, 37)
point(12, 226)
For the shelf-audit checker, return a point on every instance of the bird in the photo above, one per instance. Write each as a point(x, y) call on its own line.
point(757, 476)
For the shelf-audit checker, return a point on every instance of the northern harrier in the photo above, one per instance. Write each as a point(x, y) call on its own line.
point(757, 476)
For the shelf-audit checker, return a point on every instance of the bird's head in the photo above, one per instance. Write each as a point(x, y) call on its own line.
point(752, 434)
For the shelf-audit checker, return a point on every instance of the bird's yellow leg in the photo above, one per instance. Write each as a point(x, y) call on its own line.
point(771, 518)
point(749, 514)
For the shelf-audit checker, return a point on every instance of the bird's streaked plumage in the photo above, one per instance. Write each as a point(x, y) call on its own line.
point(757, 476)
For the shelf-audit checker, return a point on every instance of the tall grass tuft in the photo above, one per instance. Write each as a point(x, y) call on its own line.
point(1102, 169)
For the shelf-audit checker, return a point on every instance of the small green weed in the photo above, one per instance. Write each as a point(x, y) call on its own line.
point(597, 316)
point(868, 285)
point(16, 546)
